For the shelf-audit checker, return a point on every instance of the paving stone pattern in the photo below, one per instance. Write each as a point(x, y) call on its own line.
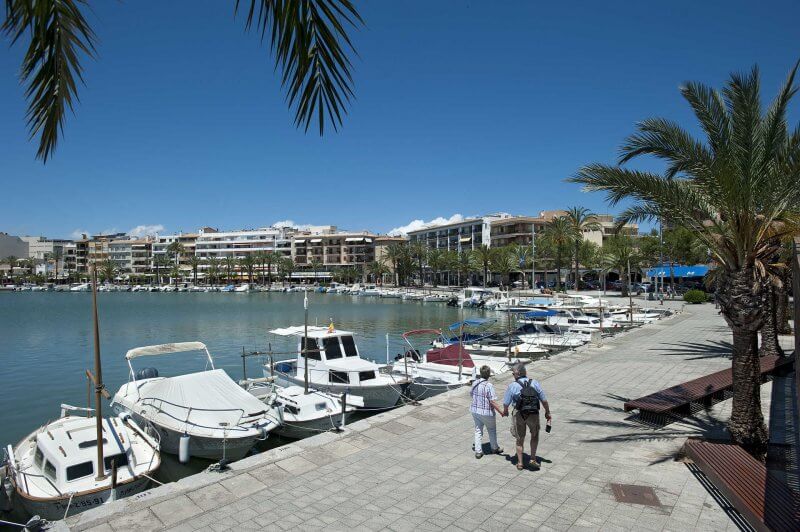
point(413, 468)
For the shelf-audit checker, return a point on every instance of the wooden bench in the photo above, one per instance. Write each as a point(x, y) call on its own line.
point(763, 499)
point(678, 399)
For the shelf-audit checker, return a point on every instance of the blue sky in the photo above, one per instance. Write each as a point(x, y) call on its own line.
point(462, 107)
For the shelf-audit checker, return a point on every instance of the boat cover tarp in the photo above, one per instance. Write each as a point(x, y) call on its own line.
point(540, 313)
point(449, 356)
point(678, 271)
point(207, 399)
point(176, 347)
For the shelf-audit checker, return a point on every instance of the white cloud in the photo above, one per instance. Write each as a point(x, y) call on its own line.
point(416, 225)
point(291, 224)
point(146, 230)
point(77, 234)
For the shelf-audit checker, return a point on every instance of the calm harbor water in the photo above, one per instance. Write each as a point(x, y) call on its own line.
point(46, 338)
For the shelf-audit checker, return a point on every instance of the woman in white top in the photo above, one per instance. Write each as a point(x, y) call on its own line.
point(483, 408)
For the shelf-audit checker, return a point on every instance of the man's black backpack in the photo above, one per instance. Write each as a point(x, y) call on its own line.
point(528, 402)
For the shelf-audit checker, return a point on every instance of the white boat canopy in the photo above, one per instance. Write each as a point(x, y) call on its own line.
point(162, 349)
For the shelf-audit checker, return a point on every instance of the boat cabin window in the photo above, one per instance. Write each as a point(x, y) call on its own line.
point(38, 458)
point(366, 375)
point(339, 377)
point(121, 459)
point(311, 348)
point(74, 472)
point(349, 346)
point(50, 471)
point(332, 348)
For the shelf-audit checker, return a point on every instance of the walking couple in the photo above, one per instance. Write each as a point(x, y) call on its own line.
point(524, 395)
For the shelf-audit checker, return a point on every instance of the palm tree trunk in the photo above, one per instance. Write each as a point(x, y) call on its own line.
point(782, 307)
point(558, 271)
point(769, 332)
point(485, 273)
point(742, 306)
point(577, 264)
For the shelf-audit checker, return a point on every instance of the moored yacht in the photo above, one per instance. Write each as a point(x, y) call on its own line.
point(335, 366)
point(204, 414)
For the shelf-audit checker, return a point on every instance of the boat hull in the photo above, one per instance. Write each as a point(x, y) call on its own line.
point(296, 430)
point(54, 509)
point(232, 448)
point(375, 397)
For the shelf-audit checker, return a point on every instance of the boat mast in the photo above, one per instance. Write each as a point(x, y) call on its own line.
point(305, 341)
point(98, 380)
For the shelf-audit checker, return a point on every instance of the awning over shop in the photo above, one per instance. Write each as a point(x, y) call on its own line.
point(698, 270)
point(465, 239)
point(354, 239)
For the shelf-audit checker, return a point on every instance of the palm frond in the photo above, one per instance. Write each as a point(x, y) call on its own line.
point(709, 107)
point(310, 44)
point(59, 35)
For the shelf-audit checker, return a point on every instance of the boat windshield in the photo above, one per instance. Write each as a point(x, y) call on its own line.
point(332, 348)
point(349, 346)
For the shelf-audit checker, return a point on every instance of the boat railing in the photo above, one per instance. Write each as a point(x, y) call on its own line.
point(14, 472)
point(158, 404)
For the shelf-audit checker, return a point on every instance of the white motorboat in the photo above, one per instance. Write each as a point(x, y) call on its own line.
point(575, 319)
point(432, 372)
point(436, 298)
point(392, 294)
point(242, 288)
point(54, 470)
point(303, 414)
point(80, 287)
point(204, 414)
point(549, 336)
point(369, 290)
point(335, 366)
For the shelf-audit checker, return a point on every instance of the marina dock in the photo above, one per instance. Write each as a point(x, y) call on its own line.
point(412, 468)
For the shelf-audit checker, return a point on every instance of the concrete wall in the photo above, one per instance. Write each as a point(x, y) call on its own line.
point(12, 245)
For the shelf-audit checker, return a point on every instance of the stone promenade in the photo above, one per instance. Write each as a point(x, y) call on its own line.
point(413, 469)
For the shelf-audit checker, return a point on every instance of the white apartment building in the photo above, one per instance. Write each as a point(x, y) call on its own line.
point(467, 234)
point(59, 254)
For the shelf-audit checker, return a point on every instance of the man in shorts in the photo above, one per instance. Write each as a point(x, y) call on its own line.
point(521, 422)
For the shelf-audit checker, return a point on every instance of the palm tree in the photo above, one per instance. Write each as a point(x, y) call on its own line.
point(435, 259)
point(580, 219)
point(483, 256)
point(450, 263)
point(503, 262)
point(230, 267)
point(108, 269)
point(11, 260)
point(194, 262)
point(377, 269)
point(269, 260)
point(308, 37)
point(160, 261)
point(559, 234)
point(522, 259)
point(395, 253)
point(315, 264)
point(466, 265)
point(175, 250)
point(286, 267)
point(620, 254)
point(213, 268)
point(248, 262)
point(738, 191)
point(419, 252)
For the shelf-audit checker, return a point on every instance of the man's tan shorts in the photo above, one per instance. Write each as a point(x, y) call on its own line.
point(521, 424)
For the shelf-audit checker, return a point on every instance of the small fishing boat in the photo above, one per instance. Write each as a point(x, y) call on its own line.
point(300, 413)
point(432, 372)
point(204, 414)
point(54, 471)
point(335, 366)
